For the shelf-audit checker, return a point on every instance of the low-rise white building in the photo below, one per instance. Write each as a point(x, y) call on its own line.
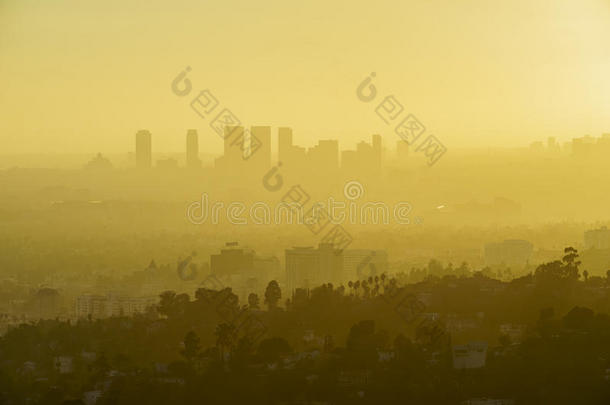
point(100, 306)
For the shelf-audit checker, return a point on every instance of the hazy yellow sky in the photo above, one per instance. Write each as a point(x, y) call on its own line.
point(83, 76)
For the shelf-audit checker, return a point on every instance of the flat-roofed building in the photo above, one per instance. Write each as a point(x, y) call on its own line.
point(307, 267)
point(143, 149)
point(192, 149)
point(359, 264)
point(598, 238)
point(513, 253)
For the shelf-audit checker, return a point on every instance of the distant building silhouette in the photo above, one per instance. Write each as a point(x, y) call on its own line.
point(192, 149)
point(243, 269)
point(588, 146)
point(232, 260)
point(512, 253)
point(359, 264)
point(143, 149)
point(246, 152)
point(366, 159)
point(583, 147)
point(99, 162)
point(307, 267)
point(324, 157)
point(552, 145)
point(598, 238)
point(377, 150)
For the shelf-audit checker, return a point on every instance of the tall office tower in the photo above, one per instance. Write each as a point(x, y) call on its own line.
point(260, 147)
point(143, 149)
point(284, 136)
point(377, 150)
point(192, 149)
point(598, 238)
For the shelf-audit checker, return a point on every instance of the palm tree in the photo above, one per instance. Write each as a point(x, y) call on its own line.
point(273, 294)
point(356, 286)
point(225, 335)
point(192, 347)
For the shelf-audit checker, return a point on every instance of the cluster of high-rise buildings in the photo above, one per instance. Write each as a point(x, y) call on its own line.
point(591, 147)
point(584, 147)
point(598, 238)
point(144, 151)
point(306, 267)
point(513, 253)
point(252, 147)
point(245, 271)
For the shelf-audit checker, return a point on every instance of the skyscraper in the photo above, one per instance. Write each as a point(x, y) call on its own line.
point(359, 264)
point(232, 260)
point(192, 149)
point(377, 150)
point(143, 149)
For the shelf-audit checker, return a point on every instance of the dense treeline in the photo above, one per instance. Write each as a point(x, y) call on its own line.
point(375, 340)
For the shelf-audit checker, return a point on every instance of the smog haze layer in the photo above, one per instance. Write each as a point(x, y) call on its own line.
point(304, 203)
